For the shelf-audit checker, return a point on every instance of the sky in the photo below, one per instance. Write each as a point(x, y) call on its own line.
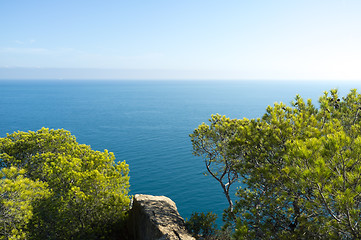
point(184, 39)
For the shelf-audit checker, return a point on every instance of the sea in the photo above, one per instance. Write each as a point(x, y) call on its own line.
point(147, 123)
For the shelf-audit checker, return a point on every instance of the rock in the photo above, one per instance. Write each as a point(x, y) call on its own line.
point(156, 217)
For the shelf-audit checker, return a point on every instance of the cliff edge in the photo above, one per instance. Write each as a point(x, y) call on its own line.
point(156, 217)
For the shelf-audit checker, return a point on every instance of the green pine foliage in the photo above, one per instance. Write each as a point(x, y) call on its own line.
point(55, 188)
point(202, 226)
point(298, 168)
point(17, 195)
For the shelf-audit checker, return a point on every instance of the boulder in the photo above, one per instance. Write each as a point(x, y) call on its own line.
point(156, 217)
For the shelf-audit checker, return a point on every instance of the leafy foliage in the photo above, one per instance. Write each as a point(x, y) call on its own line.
point(299, 167)
point(202, 226)
point(212, 142)
point(80, 193)
point(17, 196)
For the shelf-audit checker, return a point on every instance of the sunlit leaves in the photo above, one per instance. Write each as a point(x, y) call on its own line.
point(17, 196)
point(87, 192)
point(300, 166)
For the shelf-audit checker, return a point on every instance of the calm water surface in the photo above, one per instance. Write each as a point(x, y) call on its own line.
point(147, 123)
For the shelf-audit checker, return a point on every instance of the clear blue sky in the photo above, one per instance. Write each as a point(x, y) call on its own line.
point(184, 39)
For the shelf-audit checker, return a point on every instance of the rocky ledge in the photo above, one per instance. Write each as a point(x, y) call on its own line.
point(156, 217)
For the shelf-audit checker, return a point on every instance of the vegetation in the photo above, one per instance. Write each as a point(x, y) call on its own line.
point(298, 168)
point(52, 187)
point(203, 226)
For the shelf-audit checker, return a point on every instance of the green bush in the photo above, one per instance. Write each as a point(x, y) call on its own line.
point(202, 226)
point(66, 189)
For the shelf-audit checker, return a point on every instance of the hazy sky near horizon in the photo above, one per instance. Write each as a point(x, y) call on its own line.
point(188, 39)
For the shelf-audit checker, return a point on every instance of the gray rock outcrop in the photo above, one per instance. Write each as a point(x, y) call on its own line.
point(156, 217)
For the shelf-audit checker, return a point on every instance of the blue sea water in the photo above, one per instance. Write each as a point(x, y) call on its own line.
point(147, 123)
